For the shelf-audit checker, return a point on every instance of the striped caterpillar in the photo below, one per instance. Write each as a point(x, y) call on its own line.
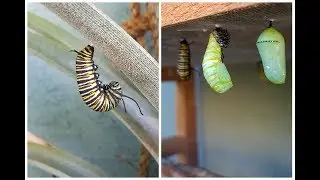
point(97, 96)
point(184, 68)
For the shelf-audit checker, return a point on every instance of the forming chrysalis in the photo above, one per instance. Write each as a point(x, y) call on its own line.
point(214, 70)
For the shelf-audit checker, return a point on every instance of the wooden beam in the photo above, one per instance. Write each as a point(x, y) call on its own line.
point(186, 120)
point(169, 73)
point(184, 12)
point(173, 145)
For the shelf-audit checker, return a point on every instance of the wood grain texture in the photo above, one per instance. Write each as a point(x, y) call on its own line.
point(117, 45)
point(172, 13)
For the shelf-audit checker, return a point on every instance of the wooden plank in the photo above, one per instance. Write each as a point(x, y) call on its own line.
point(169, 73)
point(173, 13)
point(186, 120)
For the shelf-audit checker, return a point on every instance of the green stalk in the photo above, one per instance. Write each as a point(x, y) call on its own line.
point(61, 163)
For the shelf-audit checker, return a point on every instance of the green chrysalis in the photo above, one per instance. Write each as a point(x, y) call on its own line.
point(271, 47)
point(214, 70)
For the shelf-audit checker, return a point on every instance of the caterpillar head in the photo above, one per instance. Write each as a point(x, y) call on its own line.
point(90, 48)
point(222, 36)
point(114, 85)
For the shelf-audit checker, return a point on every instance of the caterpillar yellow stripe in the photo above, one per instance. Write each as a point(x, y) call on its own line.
point(184, 61)
point(214, 70)
point(96, 95)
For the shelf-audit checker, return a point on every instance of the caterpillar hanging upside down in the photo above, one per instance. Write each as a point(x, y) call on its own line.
point(214, 70)
point(271, 47)
point(97, 96)
point(184, 68)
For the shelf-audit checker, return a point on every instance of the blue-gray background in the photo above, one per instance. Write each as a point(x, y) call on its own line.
point(58, 115)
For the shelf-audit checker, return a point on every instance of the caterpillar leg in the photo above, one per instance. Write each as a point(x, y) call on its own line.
point(95, 67)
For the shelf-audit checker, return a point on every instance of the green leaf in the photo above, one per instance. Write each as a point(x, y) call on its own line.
point(61, 163)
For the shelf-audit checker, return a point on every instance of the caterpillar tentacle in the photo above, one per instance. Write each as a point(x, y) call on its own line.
point(124, 105)
point(133, 101)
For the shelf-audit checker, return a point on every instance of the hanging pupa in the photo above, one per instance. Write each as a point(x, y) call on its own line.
point(214, 70)
point(271, 47)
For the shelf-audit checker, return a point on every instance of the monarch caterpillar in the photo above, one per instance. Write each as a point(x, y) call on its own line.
point(97, 96)
point(271, 47)
point(214, 70)
point(184, 61)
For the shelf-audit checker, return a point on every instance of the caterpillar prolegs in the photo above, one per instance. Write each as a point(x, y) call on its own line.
point(271, 47)
point(214, 70)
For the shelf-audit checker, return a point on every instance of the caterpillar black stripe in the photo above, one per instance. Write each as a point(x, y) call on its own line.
point(184, 61)
point(96, 95)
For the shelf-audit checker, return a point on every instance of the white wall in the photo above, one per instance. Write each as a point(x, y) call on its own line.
point(247, 130)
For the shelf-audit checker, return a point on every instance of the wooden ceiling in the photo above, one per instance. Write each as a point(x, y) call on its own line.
point(244, 25)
